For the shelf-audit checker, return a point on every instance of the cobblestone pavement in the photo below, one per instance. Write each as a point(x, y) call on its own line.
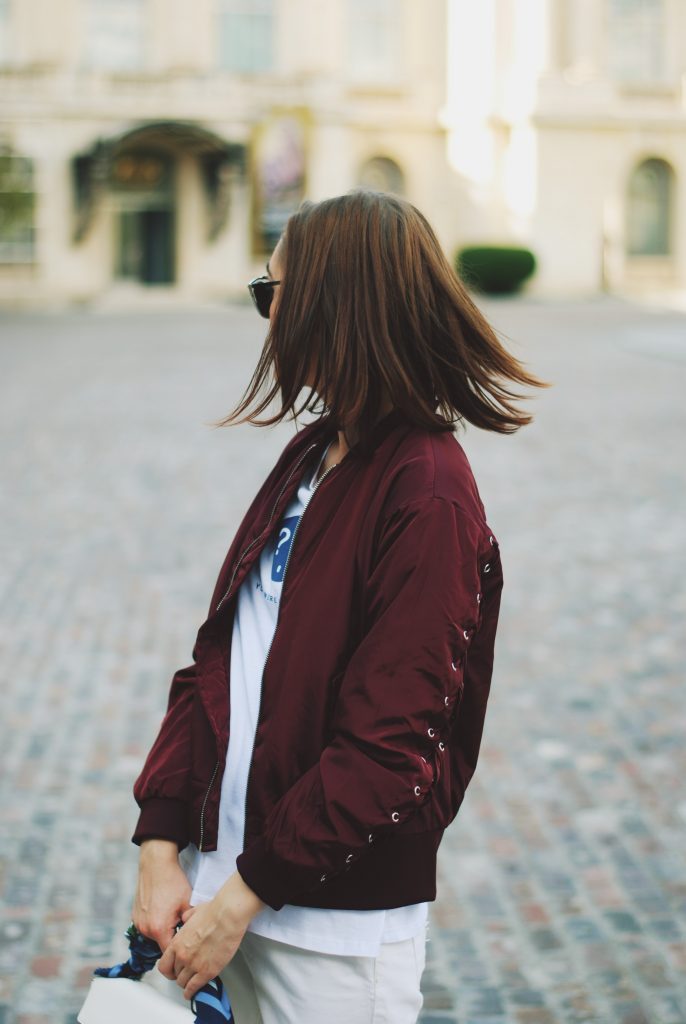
point(562, 883)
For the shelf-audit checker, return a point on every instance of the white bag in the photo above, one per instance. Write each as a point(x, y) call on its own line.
point(125, 1001)
point(133, 993)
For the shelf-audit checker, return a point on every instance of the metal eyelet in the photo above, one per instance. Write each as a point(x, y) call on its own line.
point(371, 838)
point(348, 858)
point(453, 666)
point(395, 816)
point(417, 790)
point(441, 746)
point(491, 539)
point(431, 731)
point(478, 598)
point(322, 878)
point(465, 634)
point(446, 700)
point(487, 567)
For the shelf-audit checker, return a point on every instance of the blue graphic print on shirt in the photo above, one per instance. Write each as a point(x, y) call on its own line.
point(284, 539)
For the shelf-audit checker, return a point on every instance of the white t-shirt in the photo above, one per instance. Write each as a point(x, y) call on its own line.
point(346, 932)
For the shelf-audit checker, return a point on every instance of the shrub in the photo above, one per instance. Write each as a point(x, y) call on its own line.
point(495, 269)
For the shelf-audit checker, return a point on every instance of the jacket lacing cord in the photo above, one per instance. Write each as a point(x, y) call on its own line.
point(392, 717)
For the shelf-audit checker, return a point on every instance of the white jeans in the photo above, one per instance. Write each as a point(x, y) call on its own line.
point(270, 982)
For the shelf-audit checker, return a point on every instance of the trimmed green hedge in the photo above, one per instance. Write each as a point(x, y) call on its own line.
point(494, 269)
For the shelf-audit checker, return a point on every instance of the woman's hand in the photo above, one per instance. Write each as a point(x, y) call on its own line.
point(163, 892)
point(211, 934)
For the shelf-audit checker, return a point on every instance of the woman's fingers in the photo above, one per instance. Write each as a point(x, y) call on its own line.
point(166, 963)
point(204, 944)
point(184, 976)
point(194, 985)
point(162, 932)
point(164, 936)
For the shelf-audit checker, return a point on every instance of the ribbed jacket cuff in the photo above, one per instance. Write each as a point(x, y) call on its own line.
point(162, 819)
point(261, 872)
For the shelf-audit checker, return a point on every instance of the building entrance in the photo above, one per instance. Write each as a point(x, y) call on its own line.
point(143, 199)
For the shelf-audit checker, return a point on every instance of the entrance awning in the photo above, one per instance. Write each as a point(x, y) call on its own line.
point(91, 171)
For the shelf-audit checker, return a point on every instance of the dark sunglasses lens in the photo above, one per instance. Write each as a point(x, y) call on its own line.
point(262, 293)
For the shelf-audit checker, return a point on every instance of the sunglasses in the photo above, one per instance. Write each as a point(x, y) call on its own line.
point(262, 291)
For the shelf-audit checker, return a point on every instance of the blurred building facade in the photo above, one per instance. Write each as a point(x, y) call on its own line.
point(567, 130)
point(164, 142)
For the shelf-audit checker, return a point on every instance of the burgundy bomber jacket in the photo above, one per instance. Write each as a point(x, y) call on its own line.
point(375, 687)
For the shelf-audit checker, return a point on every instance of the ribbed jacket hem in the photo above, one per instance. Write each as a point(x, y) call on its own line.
point(162, 819)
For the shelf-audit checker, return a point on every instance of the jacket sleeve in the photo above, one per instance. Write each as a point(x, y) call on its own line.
point(162, 787)
point(391, 719)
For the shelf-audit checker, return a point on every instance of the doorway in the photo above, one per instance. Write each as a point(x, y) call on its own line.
point(142, 186)
point(145, 249)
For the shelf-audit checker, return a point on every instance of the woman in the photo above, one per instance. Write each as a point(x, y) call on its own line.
point(301, 856)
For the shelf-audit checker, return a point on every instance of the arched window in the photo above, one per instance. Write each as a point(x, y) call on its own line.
point(382, 174)
point(650, 209)
point(17, 201)
point(636, 39)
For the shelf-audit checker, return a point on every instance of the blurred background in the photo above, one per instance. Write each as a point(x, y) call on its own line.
point(150, 153)
point(163, 143)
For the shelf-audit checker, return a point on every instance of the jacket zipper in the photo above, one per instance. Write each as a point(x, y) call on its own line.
point(202, 812)
point(261, 535)
point(276, 626)
point(233, 576)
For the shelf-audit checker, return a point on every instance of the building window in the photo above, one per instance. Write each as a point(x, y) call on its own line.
point(650, 209)
point(246, 35)
point(4, 31)
point(116, 34)
point(383, 175)
point(17, 202)
point(636, 40)
point(374, 37)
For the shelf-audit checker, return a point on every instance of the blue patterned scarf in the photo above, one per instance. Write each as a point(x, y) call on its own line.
point(210, 1004)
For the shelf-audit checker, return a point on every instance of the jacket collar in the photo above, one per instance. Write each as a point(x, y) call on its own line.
point(324, 429)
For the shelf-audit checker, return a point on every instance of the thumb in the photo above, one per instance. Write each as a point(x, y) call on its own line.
point(187, 914)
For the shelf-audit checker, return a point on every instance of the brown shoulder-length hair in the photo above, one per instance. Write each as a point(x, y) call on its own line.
point(371, 314)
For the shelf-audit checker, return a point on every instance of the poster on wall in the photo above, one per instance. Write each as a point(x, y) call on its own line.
point(279, 174)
